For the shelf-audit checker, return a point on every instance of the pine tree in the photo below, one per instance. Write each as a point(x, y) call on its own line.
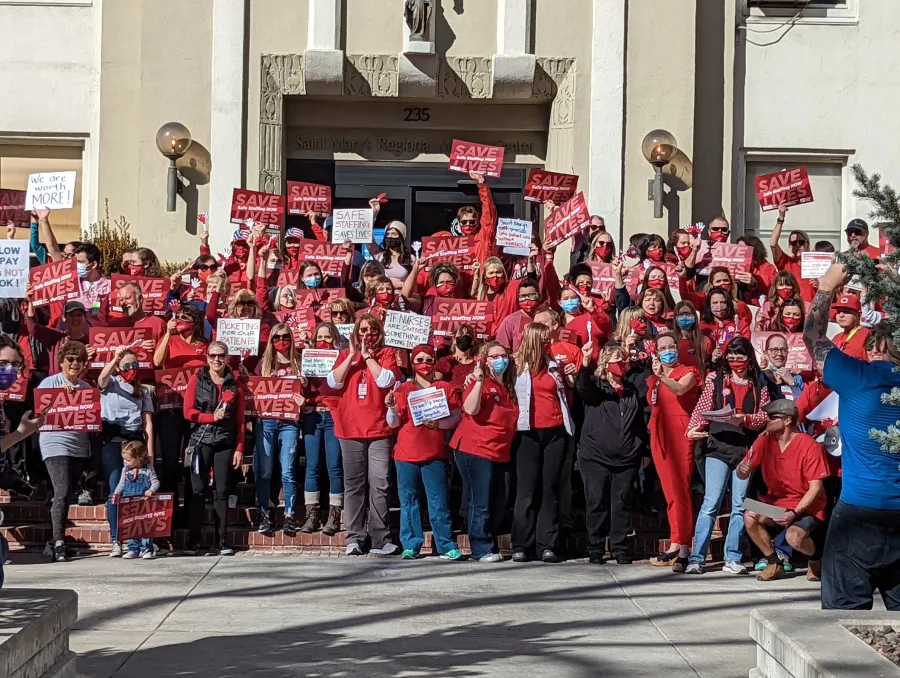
point(879, 285)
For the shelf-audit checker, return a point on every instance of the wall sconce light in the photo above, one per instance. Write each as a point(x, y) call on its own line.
point(173, 140)
point(658, 147)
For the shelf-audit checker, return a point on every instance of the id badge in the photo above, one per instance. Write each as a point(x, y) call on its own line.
point(362, 390)
point(787, 392)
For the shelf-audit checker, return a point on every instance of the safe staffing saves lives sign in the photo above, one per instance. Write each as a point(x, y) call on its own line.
point(466, 156)
point(788, 187)
point(261, 208)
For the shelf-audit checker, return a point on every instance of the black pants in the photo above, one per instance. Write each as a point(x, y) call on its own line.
point(64, 474)
point(539, 458)
point(173, 432)
point(862, 553)
point(608, 494)
point(219, 461)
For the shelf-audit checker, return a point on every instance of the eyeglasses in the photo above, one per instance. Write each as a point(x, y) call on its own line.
point(529, 297)
point(215, 356)
point(130, 366)
point(282, 336)
point(423, 361)
point(74, 360)
point(367, 331)
point(778, 351)
point(5, 365)
point(799, 242)
point(208, 267)
point(468, 222)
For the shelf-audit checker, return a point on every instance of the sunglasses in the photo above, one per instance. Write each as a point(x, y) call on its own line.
point(246, 303)
point(208, 267)
point(800, 242)
point(423, 361)
point(468, 222)
point(530, 297)
point(367, 331)
point(215, 356)
point(185, 317)
point(74, 360)
point(282, 336)
point(853, 232)
point(718, 229)
point(130, 366)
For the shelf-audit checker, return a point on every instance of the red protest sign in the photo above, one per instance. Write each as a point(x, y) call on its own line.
point(736, 258)
point(567, 220)
point(451, 313)
point(299, 321)
point(145, 517)
point(262, 208)
point(788, 187)
point(171, 385)
point(603, 282)
point(56, 281)
point(76, 411)
point(883, 243)
point(153, 292)
point(459, 250)
point(16, 392)
point(272, 398)
point(466, 156)
point(303, 197)
point(318, 301)
point(330, 258)
point(798, 357)
point(543, 186)
point(107, 340)
point(12, 208)
point(635, 277)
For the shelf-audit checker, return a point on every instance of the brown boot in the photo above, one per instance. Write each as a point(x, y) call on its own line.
point(814, 571)
point(333, 526)
point(312, 523)
point(773, 571)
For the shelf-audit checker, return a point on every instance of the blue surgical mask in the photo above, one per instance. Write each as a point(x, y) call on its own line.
point(8, 377)
point(570, 305)
point(686, 322)
point(499, 365)
point(313, 281)
point(82, 270)
point(668, 357)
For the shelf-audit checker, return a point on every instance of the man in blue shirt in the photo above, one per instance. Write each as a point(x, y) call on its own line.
point(862, 549)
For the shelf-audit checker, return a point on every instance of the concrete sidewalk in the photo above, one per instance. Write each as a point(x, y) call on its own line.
point(268, 616)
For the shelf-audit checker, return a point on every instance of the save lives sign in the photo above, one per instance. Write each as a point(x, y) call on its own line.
point(12, 208)
point(304, 197)
point(107, 340)
point(171, 385)
point(261, 208)
point(145, 517)
point(459, 250)
point(450, 313)
point(75, 411)
point(329, 257)
point(57, 281)
point(153, 292)
point(567, 220)
point(273, 398)
point(789, 187)
point(543, 186)
point(466, 156)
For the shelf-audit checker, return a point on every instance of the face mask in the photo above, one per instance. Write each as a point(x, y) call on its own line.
point(528, 305)
point(655, 255)
point(183, 326)
point(384, 298)
point(791, 323)
point(684, 252)
point(465, 342)
point(584, 288)
point(468, 229)
point(323, 345)
point(638, 326)
point(313, 281)
point(720, 313)
point(726, 287)
point(738, 366)
point(686, 322)
point(393, 243)
point(240, 252)
point(616, 369)
point(423, 369)
point(8, 377)
point(668, 357)
point(135, 269)
point(128, 375)
point(784, 292)
point(716, 236)
point(570, 305)
point(370, 340)
point(495, 283)
point(82, 270)
point(445, 289)
point(603, 251)
point(499, 365)
point(281, 345)
point(656, 284)
point(203, 276)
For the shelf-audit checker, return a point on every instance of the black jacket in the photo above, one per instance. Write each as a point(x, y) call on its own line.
point(222, 434)
point(613, 428)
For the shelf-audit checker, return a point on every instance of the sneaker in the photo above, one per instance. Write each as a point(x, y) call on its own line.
point(116, 550)
point(452, 554)
point(59, 553)
point(409, 554)
point(519, 556)
point(151, 553)
point(225, 550)
point(596, 558)
point(85, 498)
point(191, 550)
point(734, 567)
point(388, 549)
point(130, 555)
point(491, 558)
point(289, 527)
point(353, 549)
point(680, 565)
point(693, 568)
point(785, 560)
point(265, 525)
point(761, 565)
point(548, 556)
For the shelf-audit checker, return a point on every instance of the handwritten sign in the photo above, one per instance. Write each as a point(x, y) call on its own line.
point(813, 265)
point(315, 362)
point(107, 340)
point(451, 313)
point(514, 233)
point(736, 258)
point(570, 218)
point(171, 385)
point(789, 187)
point(78, 411)
point(145, 517)
point(798, 357)
point(406, 330)
point(459, 250)
point(12, 208)
point(239, 335)
point(272, 398)
point(303, 197)
point(14, 265)
point(260, 208)
point(466, 156)
point(345, 329)
point(543, 186)
point(56, 281)
point(428, 404)
point(330, 258)
point(50, 191)
point(354, 225)
point(153, 292)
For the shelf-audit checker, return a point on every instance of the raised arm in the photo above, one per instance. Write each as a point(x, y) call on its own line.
point(35, 242)
point(777, 252)
point(815, 330)
point(47, 235)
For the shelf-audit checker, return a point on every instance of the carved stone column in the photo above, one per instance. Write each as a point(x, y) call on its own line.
point(281, 74)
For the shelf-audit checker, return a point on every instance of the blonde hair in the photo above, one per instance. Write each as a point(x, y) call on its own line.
point(593, 245)
point(652, 291)
point(136, 449)
point(530, 353)
point(244, 296)
point(291, 291)
point(605, 356)
point(623, 329)
point(269, 360)
point(479, 288)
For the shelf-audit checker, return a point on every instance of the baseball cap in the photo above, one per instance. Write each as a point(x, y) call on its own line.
point(849, 302)
point(74, 306)
point(857, 225)
point(782, 408)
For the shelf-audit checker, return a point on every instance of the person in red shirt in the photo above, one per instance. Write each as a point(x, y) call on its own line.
point(461, 361)
point(720, 322)
point(852, 340)
point(757, 281)
point(720, 278)
point(672, 393)
point(214, 405)
point(420, 456)
point(858, 236)
point(363, 374)
point(563, 352)
point(483, 227)
point(799, 243)
point(236, 264)
point(583, 314)
point(694, 347)
point(793, 468)
point(783, 288)
point(482, 443)
point(543, 393)
point(509, 332)
point(790, 317)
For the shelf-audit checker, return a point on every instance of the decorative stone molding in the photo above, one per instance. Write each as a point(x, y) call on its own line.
point(466, 77)
point(555, 80)
point(372, 75)
point(513, 75)
point(280, 74)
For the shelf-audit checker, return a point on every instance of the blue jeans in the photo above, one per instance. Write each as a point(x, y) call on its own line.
point(111, 461)
point(140, 546)
point(318, 436)
point(433, 476)
point(717, 473)
point(478, 479)
point(274, 436)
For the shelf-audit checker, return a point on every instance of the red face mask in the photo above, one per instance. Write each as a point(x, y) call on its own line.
point(135, 269)
point(445, 289)
point(423, 369)
point(384, 298)
point(584, 288)
point(784, 292)
point(324, 345)
point(240, 252)
point(739, 367)
point(495, 283)
point(128, 375)
point(655, 254)
point(468, 229)
point(203, 276)
point(724, 286)
point(638, 326)
point(282, 345)
point(183, 326)
point(528, 305)
point(684, 252)
point(603, 251)
point(616, 369)
point(791, 323)
point(717, 236)
point(657, 284)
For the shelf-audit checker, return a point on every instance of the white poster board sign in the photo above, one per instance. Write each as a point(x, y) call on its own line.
point(515, 233)
point(428, 404)
point(240, 335)
point(354, 225)
point(50, 191)
point(406, 330)
point(14, 267)
point(315, 362)
point(345, 329)
point(813, 265)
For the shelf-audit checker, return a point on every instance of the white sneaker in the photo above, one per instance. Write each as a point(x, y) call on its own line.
point(116, 551)
point(130, 555)
point(353, 549)
point(149, 555)
point(491, 558)
point(734, 567)
point(693, 568)
point(388, 549)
